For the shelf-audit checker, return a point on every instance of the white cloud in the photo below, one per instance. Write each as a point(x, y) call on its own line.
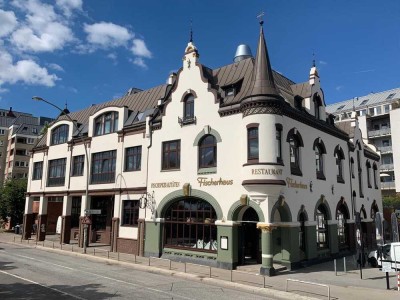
point(3, 90)
point(139, 49)
point(26, 71)
point(68, 6)
point(339, 88)
point(43, 29)
point(321, 62)
point(53, 37)
point(139, 62)
point(113, 57)
point(55, 67)
point(8, 22)
point(107, 35)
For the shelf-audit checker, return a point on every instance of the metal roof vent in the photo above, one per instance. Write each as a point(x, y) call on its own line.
point(242, 52)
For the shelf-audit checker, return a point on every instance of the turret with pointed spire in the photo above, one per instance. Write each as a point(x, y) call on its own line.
point(263, 85)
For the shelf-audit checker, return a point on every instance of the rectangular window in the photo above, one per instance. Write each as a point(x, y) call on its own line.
point(37, 170)
point(378, 110)
point(103, 167)
point(252, 144)
point(30, 140)
point(75, 211)
point(56, 172)
point(130, 212)
point(133, 158)
point(387, 108)
point(78, 163)
point(371, 111)
point(2, 132)
point(171, 156)
point(321, 232)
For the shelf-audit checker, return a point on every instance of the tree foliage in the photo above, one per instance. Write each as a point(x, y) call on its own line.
point(391, 201)
point(12, 200)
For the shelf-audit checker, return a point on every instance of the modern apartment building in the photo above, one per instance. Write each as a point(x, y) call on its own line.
point(376, 116)
point(18, 133)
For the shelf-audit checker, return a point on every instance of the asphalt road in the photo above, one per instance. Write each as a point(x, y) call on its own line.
point(29, 273)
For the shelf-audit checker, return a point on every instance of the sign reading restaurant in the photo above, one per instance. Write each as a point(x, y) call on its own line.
point(264, 171)
point(294, 184)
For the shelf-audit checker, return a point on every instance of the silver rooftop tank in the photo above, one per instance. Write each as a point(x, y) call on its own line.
point(242, 52)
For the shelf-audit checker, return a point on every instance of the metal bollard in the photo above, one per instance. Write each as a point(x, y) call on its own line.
point(170, 264)
point(344, 264)
point(231, 275)
point(118, 256)
point(53, 245)
point(334, 264)
point(149, 261)
point(61, 246)
point(14, 239)
point(210, 272)
point(72, 248)
point(264, 282)
point(185, 267)
point(135, 258)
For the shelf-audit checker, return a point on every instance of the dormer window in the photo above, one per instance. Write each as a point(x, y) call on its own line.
point(230, 92)
point(106, 123)
point(317, 105)
point(59, 135)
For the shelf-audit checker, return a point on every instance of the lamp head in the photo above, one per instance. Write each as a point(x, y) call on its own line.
point(37, 98)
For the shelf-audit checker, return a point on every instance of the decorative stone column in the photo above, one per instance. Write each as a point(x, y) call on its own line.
point(28, 218)
point(267, 267)
point(84, 205)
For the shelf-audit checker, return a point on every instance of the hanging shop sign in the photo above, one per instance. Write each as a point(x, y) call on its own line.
point(295, 185)
point(204, 181)
point(264, 171)
point(170, 184)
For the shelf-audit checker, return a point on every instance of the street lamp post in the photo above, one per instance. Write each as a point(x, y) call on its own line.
point(85, 226)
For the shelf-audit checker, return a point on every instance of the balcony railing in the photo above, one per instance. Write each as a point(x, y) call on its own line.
point(387, 167)
point(377, 133)
point(56, 181)
point(388, 185)
point(103, 178)
point(385, 149)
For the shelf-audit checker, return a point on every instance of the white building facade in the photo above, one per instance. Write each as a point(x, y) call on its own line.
point(222, 167)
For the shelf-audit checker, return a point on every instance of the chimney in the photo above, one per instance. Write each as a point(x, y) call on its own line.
point(10, 113)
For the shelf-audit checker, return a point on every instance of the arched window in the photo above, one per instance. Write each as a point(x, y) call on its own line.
point(252, 143)
point(188, 108)
point(368, 165)
point(106, 123)
point(359, 166)
point(319, 149)
point(59, 135)
point(374, 209)
point(295, 142)
point(375, 170)
point(352, 168)
point(322, 227)
point(208, 152)
point(317, 105)
point(339, 157)
point(302, 231)
point(190, 225)
point(342, 215)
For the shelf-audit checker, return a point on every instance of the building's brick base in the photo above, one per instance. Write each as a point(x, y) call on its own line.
point(129, 246)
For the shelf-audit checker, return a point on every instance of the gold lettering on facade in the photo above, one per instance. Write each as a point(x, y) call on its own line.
point(165, 184)
point(294, 184)
point(204, 181)
point(266, 171)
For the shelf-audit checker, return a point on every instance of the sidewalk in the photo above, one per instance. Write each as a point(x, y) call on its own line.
point(343, 286)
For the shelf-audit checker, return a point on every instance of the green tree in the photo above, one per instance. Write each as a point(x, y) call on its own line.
point(12, 200)
point(391, 201)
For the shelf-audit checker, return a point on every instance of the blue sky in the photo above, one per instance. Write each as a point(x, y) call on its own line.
point(91, 51)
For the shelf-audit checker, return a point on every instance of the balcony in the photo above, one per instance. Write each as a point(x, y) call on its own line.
point(379, 133)
point(385, 149)
point(388, 185)
point(387, 167)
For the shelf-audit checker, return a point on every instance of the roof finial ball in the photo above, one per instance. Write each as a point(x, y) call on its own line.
point(260, 18)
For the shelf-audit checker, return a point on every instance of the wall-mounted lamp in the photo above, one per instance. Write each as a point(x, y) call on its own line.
point(311, 185)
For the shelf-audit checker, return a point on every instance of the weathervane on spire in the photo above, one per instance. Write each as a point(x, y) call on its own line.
point(260, 17)
point(313, 61)
point(191, 31)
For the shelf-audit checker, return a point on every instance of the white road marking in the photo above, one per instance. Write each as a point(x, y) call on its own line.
point(100, 276)
point(47, 287)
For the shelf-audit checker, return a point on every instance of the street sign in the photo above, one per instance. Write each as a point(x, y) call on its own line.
point(93, 211)
point(387, 266)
